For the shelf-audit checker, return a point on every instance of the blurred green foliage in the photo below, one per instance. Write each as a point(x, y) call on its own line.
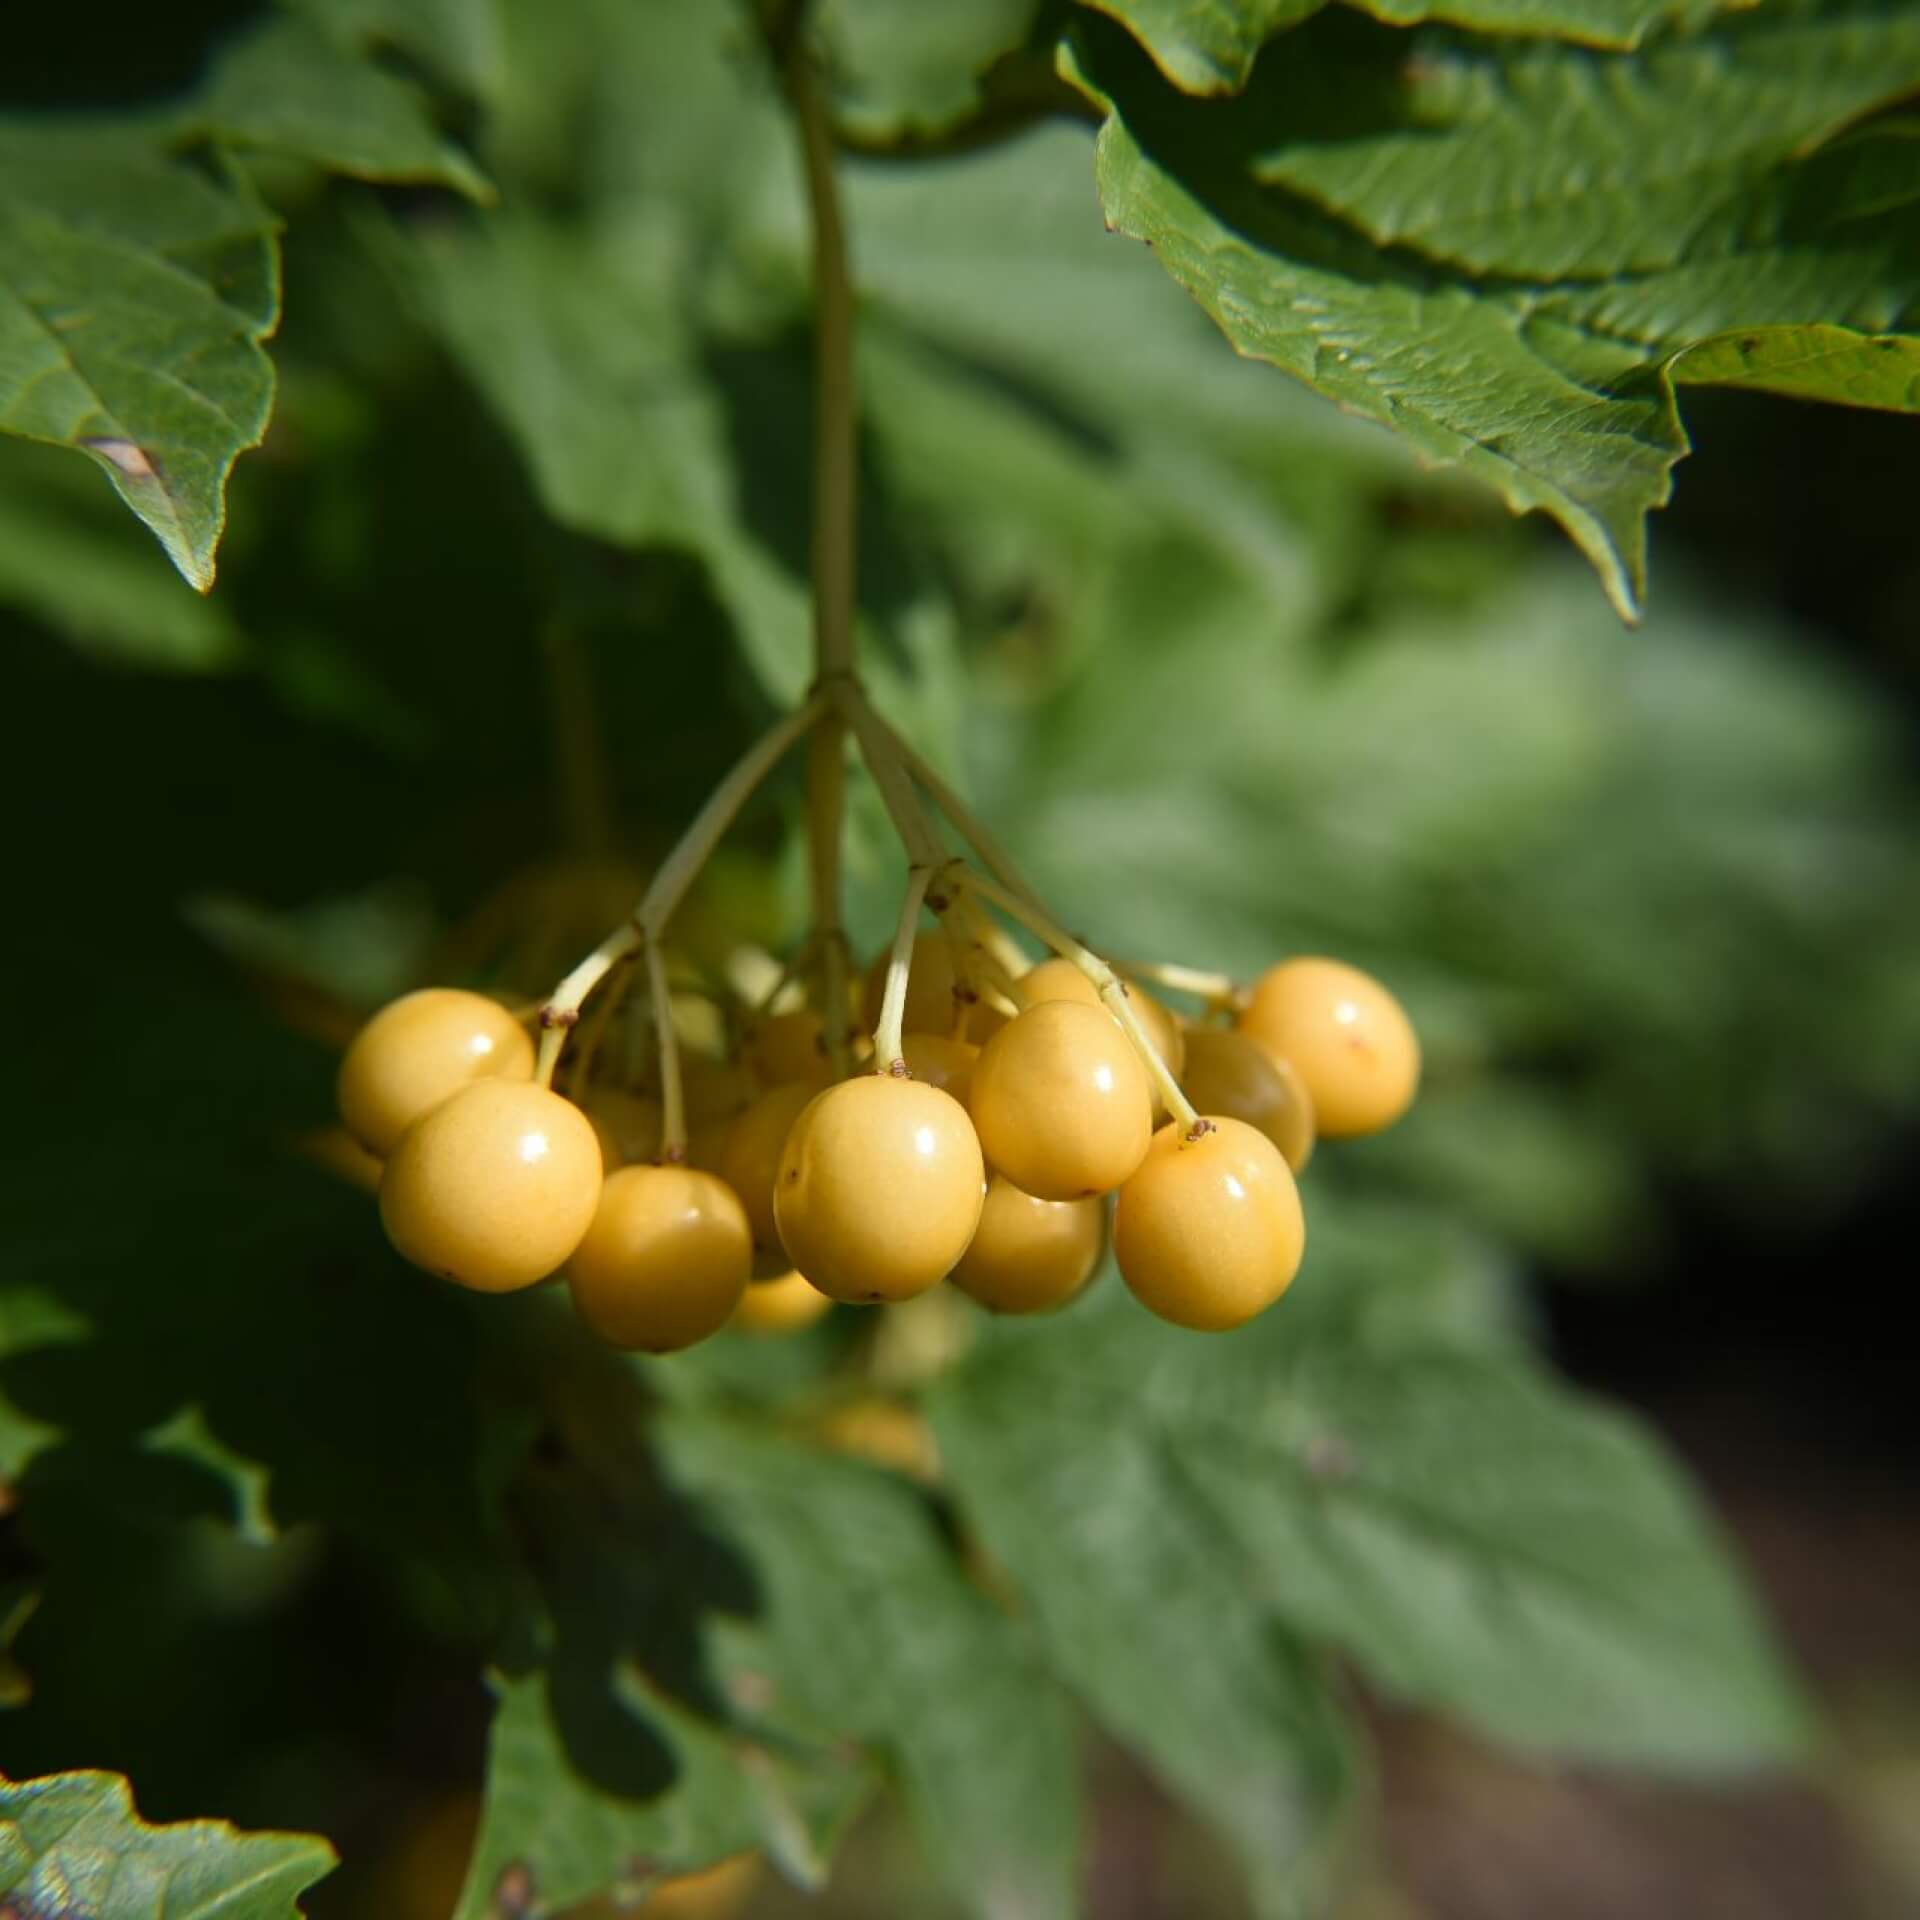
point(1229, 673)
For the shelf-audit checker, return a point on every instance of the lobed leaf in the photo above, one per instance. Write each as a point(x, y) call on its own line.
point(1477, 1539)
point(72, 1843)
point(1544, 162)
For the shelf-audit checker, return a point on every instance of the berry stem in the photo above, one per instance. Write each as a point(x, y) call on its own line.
point(893, 1003)
point(1111, 988)
point(879, 747)
point(673, 1105)
point(676, 874)
point(834, 535)
point(1218, 990)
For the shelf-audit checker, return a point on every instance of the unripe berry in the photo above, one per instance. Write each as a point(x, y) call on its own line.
point(940, 1062)
point(665, 1261)
point(879, 1189)
point(931, 1006)
point(1229, 1074)
point(750, 1160)
point(1029, 1255)
point(1349, 1039)
point(1061, 1102)
point(493, 1188)
point(627, 1126)
point(1209, 1231)
point(784, 1305)
point(418, 1049)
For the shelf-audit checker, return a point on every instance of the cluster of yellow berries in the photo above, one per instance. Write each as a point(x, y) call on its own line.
point(984, 1155)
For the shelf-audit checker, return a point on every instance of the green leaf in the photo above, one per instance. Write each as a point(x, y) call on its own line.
point(134, 294)
point(1477, 1539)
point(1810, 363)
point(866, 1626)
point(1553, 162)
point(579, 349)
point(898, 68)
point(1141, 1599)
point(72, 1844)
point(1552, 417)
point(1209, 46)
point(69, 557)
point(460, 39)
point(290, 88)
point(31, 1318)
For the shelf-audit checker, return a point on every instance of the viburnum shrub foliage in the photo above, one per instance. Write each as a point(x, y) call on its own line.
point(1065, 753)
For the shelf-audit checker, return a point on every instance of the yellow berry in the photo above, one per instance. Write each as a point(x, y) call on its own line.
point(786, 1047)
point(1061, 1102)
point(1209, 1231)
point(714, 1089)
point(627, 1126)
point(879, 1189)
point(1228, 1073)
point(1060, 979)
point(418, 1049)
point(1348, 1038)
point(336, 1151)
point(665, 1261)
point(750, 1160)
point(1028, 1255)
point(940, 1062)
point(931, 1005)
point(782, 1305)
point(494, 1187)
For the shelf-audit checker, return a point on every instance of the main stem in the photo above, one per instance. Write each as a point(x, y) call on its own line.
point(834, 536)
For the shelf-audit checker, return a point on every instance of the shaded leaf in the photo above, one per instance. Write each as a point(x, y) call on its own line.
point(293, 89)
point(580, 351)
point(460, 39)
point(869, 1629)
point(72, 1843)
point(1557, 163)
point(1209, 46)
point(897, 68)
point(1140, 1598)
point(69, 557)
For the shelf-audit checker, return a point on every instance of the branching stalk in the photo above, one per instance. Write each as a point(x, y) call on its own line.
point(677, 873)
point(673, 1105)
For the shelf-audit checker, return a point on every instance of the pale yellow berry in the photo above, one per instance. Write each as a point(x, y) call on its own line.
point(494, 1187)
point(1346, 1036)
point(781, 1305)
point(941, 1062)
point(1061, 1102)
point(790, 1048)
point(879, 1189)
point(627, 1126)
point(418, 1049)
point(1059, 979)
point(750, 1159)
point(1230, 1074)
point(1209, 1231)
point(665, 1261)
point(1029, 1255)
